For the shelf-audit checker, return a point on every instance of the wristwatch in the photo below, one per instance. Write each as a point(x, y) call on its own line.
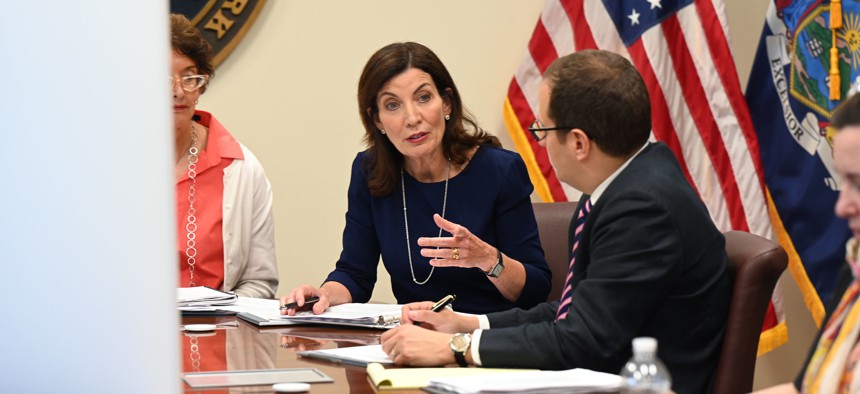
point(459, 345)
point(498, 268)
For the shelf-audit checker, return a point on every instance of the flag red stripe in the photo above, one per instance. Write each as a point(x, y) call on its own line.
point(722, 55)
point(582, 36)
point(770, 318)
point(524, 114)
point(541, 48)
point(720, 52)
point(661, 122)
point(697, 102)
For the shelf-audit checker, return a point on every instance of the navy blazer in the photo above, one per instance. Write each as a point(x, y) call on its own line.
point(490, 197)
point(651, 263)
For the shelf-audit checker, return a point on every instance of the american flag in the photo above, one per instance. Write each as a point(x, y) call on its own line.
point(681, 48)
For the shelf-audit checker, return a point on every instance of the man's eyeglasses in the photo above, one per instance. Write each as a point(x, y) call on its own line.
point(189, 83)
point(539, 132)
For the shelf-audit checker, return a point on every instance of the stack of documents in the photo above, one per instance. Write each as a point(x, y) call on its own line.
point(570, 381)
point(202, 299)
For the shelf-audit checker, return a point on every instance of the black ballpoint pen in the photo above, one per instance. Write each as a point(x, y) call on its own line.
point(294, 305)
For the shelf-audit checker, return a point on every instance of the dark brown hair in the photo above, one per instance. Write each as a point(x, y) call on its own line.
point(186, 39)
point(384, 161)
point(847, 113)
point(602, 94)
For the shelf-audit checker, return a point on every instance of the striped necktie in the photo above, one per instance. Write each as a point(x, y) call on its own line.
point(567, 294)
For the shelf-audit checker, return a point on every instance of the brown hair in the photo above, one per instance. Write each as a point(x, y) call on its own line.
point(384, 161)
point(602, 94)
point(186, 39)
point(847, 113)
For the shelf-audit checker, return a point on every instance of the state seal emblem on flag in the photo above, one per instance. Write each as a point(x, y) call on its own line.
point(800, 47)
point(808, 56)
point(223, 23)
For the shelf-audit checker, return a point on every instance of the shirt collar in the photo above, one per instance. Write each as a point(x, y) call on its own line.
point(220, 144)
point(598, 191)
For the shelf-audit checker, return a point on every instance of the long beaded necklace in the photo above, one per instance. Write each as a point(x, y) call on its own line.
point(191, 221)
point(406, 222)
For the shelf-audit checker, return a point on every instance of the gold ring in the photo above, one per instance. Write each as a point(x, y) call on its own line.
point(456, 255)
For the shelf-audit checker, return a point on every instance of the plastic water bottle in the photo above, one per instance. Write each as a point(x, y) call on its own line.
point(645, 373)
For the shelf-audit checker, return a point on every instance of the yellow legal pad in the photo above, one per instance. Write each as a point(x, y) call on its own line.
point(413, 378)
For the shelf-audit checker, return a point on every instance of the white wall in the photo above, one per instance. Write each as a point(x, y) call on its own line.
point(87, 229)
point(288, 92)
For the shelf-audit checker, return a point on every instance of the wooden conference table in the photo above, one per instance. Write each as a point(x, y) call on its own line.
point(237, 345)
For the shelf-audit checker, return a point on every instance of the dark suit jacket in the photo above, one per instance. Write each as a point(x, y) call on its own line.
point(651, 263)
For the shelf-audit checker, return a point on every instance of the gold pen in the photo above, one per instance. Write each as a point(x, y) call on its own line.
point(443, 302)
point(438, 306)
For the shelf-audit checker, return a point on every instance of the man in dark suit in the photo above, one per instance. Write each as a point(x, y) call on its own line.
point(647, 259)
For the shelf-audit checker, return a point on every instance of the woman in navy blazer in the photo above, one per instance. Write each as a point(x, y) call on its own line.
point(435, 196)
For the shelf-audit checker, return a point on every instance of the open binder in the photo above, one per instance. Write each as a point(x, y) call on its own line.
point(378, 316)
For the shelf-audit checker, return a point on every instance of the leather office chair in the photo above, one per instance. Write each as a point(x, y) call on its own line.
point(755, 264)
point(553, 220)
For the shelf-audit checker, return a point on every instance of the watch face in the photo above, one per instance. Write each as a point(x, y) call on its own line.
point(460, 342)
point(496, 271)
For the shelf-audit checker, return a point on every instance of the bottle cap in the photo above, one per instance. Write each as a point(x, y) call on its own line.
point(644, 345)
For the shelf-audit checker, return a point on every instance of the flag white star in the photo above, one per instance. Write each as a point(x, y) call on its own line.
point(634, 18)
point(655, 4)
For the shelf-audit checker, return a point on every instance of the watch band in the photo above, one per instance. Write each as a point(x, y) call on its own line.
point(460, 357)
point(459, 346)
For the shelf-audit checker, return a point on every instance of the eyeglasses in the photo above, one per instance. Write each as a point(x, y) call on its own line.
point(189, 83)
point(539, 132)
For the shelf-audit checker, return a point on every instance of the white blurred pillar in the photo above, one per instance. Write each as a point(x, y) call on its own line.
point(87, 234)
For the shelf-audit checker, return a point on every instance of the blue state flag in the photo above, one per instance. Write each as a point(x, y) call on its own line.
point(789, 99)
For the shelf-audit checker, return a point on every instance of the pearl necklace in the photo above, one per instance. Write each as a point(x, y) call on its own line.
point(191, 221)
point(406, 223)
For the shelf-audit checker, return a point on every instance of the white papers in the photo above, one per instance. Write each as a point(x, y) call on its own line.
point(570, 381)
point(354, 355)
point(266, 309)
point(202, 298)
point(267, 313)
point(352, 313)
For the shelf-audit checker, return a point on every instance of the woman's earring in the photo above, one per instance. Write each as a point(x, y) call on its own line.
point(447, 117)
point(196, 101)
point(382, 131)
